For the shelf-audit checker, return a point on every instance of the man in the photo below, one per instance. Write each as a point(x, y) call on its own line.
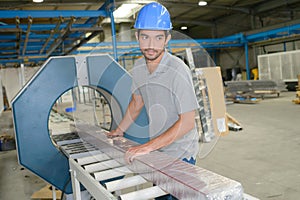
point(162, 83)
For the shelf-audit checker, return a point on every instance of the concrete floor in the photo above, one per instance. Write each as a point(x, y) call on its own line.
point(264, 156)
point(16, 182)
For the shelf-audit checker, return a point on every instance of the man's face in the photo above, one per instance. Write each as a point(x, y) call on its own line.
point(152, 43)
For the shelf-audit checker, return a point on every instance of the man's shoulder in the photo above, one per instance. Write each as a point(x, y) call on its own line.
point(178, 64)
point(173, 59)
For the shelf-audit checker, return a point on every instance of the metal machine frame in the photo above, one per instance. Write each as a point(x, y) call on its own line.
point(32, 106)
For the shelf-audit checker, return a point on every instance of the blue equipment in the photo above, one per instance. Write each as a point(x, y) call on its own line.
point(32, 106)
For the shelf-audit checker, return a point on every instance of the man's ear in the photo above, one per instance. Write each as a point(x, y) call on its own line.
point(168, 39)
point(137, 35)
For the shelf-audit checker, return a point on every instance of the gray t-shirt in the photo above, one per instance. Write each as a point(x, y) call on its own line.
point(166, 93)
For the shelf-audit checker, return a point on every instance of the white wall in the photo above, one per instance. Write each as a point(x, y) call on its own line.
point(12, 80)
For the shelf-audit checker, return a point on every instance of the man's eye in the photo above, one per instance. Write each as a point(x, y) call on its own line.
point(144, 37)
point(159, 37)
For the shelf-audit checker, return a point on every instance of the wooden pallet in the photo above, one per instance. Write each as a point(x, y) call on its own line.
point(298, 93)
point(296, 101)
point(46, 193)
point(264, 92)
point(247, 101)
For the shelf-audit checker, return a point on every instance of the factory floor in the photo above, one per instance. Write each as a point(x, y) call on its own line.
point(264, 156)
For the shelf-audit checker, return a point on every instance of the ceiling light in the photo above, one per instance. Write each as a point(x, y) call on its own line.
point(126, 10)
point(37, 1)
point(183, 27)
point(202, 3)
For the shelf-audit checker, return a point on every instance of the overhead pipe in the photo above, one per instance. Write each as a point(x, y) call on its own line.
point(55, 30)
point(5, 14)
point(27, 35)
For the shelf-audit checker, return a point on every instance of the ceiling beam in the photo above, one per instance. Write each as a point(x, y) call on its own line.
point(61, 38)
point(27, 35)
point(5, 14)
point(21, 4)
point(239, 9)
point(195, 5)
point(83, 41)
point(272, 4)
point(18, 35)
point(194, 22)
point(10, 30)
point(53, 31)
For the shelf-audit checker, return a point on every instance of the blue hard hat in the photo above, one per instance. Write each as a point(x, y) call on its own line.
point(153, 16)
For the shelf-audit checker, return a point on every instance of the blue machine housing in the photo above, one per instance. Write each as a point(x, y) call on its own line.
point(32, 106)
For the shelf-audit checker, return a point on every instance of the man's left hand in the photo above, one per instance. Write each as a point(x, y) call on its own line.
point(133, 152)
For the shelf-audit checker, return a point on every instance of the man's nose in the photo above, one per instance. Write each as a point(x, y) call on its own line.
point(151, 43)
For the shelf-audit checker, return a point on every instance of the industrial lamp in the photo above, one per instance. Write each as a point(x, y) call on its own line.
point(202, 3)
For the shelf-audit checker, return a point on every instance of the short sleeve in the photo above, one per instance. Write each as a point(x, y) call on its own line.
point(134, 88)
point(184, 93)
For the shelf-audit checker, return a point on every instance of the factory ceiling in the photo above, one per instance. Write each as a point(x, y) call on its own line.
point(31, 32)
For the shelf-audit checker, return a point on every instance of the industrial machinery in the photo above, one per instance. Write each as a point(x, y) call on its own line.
point(84, 159)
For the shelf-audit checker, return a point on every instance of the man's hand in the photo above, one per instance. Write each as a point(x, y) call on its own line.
point(133, 152)
point(115, 133)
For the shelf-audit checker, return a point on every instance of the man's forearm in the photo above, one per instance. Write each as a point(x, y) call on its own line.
point(131, 114)
point(182, 126)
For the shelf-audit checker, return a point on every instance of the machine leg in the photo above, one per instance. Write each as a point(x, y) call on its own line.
point(75, 186)
point(53, 193)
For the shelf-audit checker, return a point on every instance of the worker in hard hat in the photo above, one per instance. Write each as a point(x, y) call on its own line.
point(162, 83)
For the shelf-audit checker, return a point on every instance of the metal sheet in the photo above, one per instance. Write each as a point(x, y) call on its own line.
point(148, 193)
point(100, 166)
point(92, 159)
point(111, 173)
point(180, 179)
point(125, 183)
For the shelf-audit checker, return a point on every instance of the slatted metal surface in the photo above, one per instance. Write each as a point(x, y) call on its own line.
point(108, 172)
point(98, 163)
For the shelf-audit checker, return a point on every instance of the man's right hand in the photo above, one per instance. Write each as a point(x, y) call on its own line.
point(115, 133)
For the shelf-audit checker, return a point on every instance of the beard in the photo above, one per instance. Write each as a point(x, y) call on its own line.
point(151, 54)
